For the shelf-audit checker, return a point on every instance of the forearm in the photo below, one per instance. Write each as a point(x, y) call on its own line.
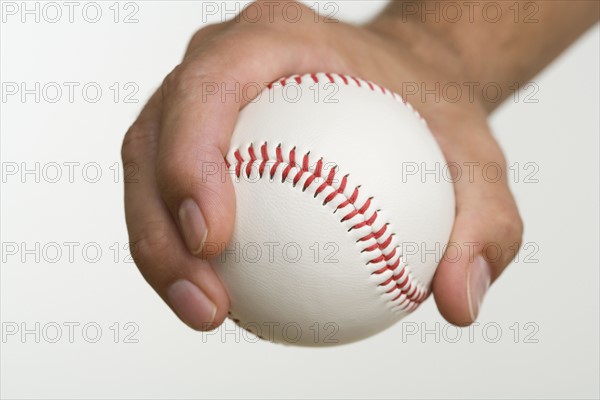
point(504, 42)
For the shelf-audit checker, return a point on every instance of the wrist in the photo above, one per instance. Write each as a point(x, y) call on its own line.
point(434, 59)
point(503, 44)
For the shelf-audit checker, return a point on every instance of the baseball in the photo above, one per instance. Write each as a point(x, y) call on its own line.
point(326, 211)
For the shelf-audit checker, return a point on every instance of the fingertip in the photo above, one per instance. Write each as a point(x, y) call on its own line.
point(193, 226)
point(199, 300)
point(191, 305)
point(219, 212)
point(450, 291)
point(459, 289)
point(208, 281)
point(479, 278)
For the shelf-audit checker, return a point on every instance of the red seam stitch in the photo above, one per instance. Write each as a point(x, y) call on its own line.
point(305, 162)
point(391, 255)
point(319, 168)
point(265, 156)
point(373, 247)
point(380, 232)
point(366, 206)
point(252, 160)
point(315, 78)
point(368, 237)
point(293, 157)
point(387, 242)
point(238, 165)
point(310, 179)
point(345, 80)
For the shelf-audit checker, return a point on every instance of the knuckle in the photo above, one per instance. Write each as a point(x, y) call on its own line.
point(185, 77)
point(172, 79)
point(151, 245)
point(186, 173)
point(509, 225)
point(138, 142)
point(170, 175)
point(203, 33)
point(191, 78)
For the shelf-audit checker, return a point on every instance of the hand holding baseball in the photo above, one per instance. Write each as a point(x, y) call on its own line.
point(173, 210)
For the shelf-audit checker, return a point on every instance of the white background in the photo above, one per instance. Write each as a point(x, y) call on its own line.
point(556, 291)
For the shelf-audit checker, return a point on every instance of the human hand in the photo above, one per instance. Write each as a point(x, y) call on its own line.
point(172, 210)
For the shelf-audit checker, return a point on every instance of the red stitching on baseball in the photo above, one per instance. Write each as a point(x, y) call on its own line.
point(345, 80)
point(383, 239)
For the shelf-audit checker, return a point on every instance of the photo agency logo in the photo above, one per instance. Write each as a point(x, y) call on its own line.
point(71, 172)
point(490, 332)
point(269, 11)
point(470, 11)
point(67, 252)
point(69, 92)
point(469, 91)
point(289, 332)
point(273, 252)
point(252, 92)
point(70, 332)
point(52, 12)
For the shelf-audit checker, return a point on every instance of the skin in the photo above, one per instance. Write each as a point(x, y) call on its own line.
point(179, 129)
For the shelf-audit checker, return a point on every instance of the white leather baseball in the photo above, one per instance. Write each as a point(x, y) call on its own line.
point(323, 211)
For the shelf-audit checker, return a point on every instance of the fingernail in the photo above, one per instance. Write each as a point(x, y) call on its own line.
point(192, 225)
point(479, 279)
point(191, 305)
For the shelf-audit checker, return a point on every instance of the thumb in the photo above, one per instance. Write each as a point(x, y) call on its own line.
point(487, 231)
